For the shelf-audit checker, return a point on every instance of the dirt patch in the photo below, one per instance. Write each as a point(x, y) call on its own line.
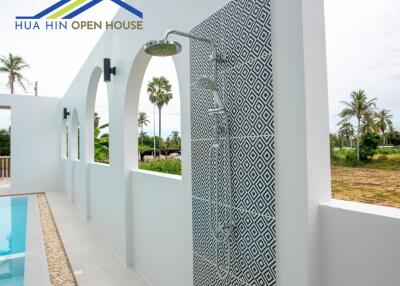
point(60, 270)
point(381, 187)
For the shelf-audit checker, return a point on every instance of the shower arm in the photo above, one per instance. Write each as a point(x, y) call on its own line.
point(214, 56)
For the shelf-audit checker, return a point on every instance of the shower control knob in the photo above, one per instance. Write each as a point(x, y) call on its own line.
point(219, 58)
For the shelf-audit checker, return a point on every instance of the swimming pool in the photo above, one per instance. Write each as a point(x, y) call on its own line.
point(13, 216)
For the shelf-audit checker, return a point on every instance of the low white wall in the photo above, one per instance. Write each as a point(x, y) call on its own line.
point(79, 187)
point(36, 124)
point(162, 228)
point(360, 244)
point(68, 179)
point(106, 205)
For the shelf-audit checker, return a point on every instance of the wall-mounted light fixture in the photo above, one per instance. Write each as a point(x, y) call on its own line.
point(108, 70)
point(65, 113)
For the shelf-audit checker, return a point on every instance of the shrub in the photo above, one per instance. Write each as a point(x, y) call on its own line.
point(368, 144)
point(163, 166)
point(351, 158)
point(387, 151)
point(144, 148)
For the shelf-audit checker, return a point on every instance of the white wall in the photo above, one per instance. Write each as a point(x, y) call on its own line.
point(302, 134)
point(108, 198)
point(162, 222)
point(360, 244)
point(148, 218)
point(36, 124)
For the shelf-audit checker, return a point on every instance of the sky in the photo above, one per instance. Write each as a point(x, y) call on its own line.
point(363, 52)
point(54, 60)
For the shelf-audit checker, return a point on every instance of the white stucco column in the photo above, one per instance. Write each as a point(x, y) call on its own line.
point(302, 136)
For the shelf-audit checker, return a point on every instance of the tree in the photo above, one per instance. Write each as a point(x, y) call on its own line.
point(368, 122)
point(393, 137)
point(159, 90)
point(357, 108)
point(142, 121)
point(13, 66)
point(101, 141)
point(346, 131)
point(175, 141)
point(4, 142)
point(101, 144)
point(383, 122)
point(368, 145)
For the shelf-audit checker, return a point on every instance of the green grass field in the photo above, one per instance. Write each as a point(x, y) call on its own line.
point(374, 182)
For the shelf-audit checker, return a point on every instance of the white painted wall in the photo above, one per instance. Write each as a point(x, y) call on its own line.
point(302, 134)
point(162, 223)
point(108, 198)
point(148, 217)
point(360, 244)
point(35, 143)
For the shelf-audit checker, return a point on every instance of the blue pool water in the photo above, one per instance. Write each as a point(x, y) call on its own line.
point(13, 215)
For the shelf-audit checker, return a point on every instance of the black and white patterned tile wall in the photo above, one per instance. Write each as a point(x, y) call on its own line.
point(242, 31)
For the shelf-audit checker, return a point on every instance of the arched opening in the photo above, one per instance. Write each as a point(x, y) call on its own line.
point(159, 118)
point(75, 136)
point(99, 119)
point(101, 125)
point(88, 151)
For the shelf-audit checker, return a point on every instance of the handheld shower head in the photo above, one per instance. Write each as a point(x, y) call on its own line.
point(207, 83)
point(162, 48)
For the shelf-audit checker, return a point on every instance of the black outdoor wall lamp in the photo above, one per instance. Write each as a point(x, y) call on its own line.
point(108, 70)
point(65, 113)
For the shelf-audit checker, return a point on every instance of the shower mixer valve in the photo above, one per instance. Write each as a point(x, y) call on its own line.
point(219, 58)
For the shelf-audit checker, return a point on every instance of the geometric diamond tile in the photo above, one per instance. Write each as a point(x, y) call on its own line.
point(254, 249)
point(253, 174)
point(248, 94)
point(242, 30)
point(205, 274)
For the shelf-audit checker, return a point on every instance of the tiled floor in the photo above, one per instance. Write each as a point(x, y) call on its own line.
point(88, 249)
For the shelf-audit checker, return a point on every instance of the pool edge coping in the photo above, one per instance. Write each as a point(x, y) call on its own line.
point(36, 270)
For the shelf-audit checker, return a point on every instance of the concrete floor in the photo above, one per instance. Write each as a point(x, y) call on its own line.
point(88, 248)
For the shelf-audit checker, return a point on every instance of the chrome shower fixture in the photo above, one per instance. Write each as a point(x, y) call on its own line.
point(163, 48)
point(221, 229)
point(207, 83)
point(167, 48)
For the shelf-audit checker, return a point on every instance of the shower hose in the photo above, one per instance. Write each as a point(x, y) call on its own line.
point(220, 231)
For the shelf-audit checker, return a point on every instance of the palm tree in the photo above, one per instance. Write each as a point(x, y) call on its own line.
point(101, 144)
point(142, 121)
point(359, 108)
point(13, 65)
point(368, 122)
point(159, 90)
point(383, 122)
point(346, 131)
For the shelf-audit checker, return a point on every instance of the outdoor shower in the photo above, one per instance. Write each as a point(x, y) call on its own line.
point(223, 228)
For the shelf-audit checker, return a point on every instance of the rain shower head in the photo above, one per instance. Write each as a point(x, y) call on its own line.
point(207, 83)
point(162, 48)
